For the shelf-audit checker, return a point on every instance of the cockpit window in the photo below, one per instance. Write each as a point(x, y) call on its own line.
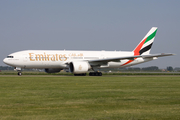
point(10, 56)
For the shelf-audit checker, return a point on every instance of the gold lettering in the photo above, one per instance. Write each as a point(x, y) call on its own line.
point(65, 57)
point(40, 57)
point(56, 57)
point(48, 56)
point(45, 56)
point(60, 57)
point(81, 54)
point(53, 58)
point(80, 67)
point(30, 57)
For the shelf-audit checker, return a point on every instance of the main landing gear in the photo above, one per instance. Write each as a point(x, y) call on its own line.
point(90, 74)
point(95, 74)
point(83, 74)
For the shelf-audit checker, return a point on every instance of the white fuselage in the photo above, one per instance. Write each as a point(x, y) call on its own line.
point(60, 59)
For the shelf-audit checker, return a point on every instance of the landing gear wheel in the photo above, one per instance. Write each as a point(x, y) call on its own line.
point(100, 74)
point(19, 73)
point(95, 74)
point(83, 74)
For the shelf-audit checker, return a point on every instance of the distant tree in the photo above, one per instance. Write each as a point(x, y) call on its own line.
point(134, 69)
point(169, 68)
point(177, 69)
point(152, 68)
point(6, 68)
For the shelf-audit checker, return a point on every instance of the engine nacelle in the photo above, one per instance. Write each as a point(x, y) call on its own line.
point(79, 67)
point(52, 70)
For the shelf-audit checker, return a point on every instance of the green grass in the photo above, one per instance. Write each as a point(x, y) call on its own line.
point(89, 98)
point(104, 73)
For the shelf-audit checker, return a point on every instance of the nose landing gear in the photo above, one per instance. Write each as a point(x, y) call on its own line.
point(18, 69)
point(19, 73)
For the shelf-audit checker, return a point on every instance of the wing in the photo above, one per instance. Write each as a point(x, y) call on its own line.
point(99, 62)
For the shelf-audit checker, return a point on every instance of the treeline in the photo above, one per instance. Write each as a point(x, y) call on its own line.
point(151, 68)
point(6, 68)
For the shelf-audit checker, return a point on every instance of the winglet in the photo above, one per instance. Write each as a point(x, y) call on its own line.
point(144, 46)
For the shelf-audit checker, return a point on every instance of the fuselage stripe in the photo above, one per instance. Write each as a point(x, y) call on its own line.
point(136, 51)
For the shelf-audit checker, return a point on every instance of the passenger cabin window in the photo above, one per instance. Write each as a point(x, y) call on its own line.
point(9, 56)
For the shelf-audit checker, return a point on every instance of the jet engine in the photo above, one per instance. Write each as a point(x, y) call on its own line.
point(77, 67)
point(52, 70)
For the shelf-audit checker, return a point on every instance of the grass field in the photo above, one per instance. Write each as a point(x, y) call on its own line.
point(104, 73)
point(89, 98)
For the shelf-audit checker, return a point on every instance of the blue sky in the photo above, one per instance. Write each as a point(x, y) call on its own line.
point(90, 25)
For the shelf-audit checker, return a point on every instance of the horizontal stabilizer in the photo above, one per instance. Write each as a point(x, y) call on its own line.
point(157, 55)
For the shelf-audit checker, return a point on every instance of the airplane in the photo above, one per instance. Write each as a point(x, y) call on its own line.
point(80, 62)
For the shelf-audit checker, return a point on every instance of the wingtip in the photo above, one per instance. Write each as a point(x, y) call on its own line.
point(168, 54)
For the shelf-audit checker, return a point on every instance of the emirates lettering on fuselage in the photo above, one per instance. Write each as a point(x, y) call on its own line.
point(47, 57)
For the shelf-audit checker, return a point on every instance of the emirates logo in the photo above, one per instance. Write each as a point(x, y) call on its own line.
point(80, 67)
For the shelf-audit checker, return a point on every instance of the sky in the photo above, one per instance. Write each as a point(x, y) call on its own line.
point(90, 25)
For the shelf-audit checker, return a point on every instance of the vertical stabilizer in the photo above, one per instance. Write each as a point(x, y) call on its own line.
point(145, 45)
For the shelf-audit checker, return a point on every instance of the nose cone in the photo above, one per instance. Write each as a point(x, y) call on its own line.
point(5, 60)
